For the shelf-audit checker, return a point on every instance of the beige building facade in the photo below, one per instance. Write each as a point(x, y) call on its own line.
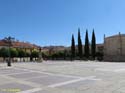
point(114, 48)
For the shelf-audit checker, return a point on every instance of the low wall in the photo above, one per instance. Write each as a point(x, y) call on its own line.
point(114, 58)
point(25, 59)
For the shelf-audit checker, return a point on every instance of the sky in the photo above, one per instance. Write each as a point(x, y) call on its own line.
point(52, 22)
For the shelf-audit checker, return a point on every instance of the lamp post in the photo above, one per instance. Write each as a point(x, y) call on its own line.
point(9, 40)
point(40, 54)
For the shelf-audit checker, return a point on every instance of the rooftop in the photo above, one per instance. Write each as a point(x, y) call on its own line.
point(122, 35)
point(19, 44)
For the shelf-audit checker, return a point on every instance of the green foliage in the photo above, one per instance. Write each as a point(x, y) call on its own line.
point(61, 54)
point(86, 48)
point(80, 51)
point(13, 52)
point(28, 54)
point(21, 53)
point(99, 56)
point(73, 48)
point(4, 52)
point(35, 54)
point(93, 45)
point(45, 55)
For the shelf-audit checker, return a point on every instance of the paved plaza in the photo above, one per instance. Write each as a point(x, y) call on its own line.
point(62, 77)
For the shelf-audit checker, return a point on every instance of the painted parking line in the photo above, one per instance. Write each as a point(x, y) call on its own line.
point(17, 73)
point(103, 69)
point(60, 84)
point(75, 79)
point(110, 70)
point(71, 81)
point(52, 74)
point(35, 77)
point(31, 90)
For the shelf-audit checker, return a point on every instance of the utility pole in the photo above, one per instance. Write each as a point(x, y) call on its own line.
point(9, 40)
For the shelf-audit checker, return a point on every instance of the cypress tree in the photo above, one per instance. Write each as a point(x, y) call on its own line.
point(80, 52)
point(93, 45)
point(86, 47)
point(73, 48)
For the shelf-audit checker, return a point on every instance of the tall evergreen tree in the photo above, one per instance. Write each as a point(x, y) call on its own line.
point(80, 52)
point(86, 47)
point(93, 45)
point(73, 48)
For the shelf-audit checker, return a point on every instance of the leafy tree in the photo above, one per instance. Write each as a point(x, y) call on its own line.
point(93, 45)
point(45, 55)
point(73, 48)
point(4, 52)
point(21, 53)
point(80, 51)
point(61, 54)
point(86, 48)
point(13, 52)
point(27, 54)
point(65, 54)
point(57, 55)
point(35, 54)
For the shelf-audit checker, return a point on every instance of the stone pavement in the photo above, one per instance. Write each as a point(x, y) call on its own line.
point(63, 77)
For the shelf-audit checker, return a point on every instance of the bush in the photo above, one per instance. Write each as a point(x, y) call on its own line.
point(21, 53)
point(4, 52)
point(99, 56)
point(35, 54)
point(13, 52)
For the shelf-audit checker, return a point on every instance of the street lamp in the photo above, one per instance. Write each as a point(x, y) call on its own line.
point(9, 40)
point(40, 54)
